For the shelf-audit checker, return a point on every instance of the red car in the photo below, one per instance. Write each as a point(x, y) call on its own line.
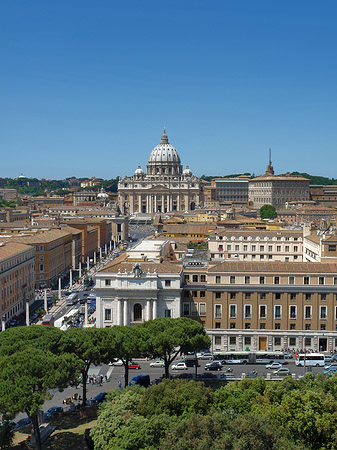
point(134, 366)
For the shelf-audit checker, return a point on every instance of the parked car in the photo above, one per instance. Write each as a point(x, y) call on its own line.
point(330, 366)
point(330, 370)
point(282, 372)
point(134, 366)
point(274, 365)
point(179, 366)
point(141, 380)
point(53, 411)
point(23, 423)
point(215, 365)
point(328, 358)
point(206, 355)
point(157, 364)
point(100, 397)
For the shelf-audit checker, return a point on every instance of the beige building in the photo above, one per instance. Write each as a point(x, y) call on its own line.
point(256, 245)
point(163, 188)
point(277, 190)
point(274, 305)
point(320, 248)
point(17, 278)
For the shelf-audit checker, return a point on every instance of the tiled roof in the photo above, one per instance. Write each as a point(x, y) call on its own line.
point(274, 266)
point(8, 249)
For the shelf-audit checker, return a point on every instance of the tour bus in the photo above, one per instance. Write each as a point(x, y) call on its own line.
point(310, 359)
point(71, 299)
point(246, 357)
point(48, 320)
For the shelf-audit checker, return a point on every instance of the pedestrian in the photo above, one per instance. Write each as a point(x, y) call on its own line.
point(119, 384)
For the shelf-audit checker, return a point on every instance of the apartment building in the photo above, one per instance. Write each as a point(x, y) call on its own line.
point(264, 305)
point(17, 278)
point(256, 245)
point(320, 248)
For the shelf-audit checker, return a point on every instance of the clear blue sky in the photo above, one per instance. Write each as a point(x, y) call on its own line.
point(86, 87)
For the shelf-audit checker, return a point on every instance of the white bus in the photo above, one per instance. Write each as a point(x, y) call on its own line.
point(310, 359)
point(71, 299)
point(244, 357)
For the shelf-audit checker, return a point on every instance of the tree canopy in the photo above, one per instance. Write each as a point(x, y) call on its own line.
point(268, 212)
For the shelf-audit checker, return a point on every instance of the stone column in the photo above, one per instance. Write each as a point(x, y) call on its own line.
point(155, 203)
point(178, 202)
point(70, 278)
point(94, 257)
point(126, 313)
point(86, 314)
point(106, 249)
point(110, 248)
point(73, 254)
point(148, 309)
point(100, 252)
point(3, 323)
point(88, 264)
point(154, 309)
point(80, 270)
point(139, 203)
point(45, 301)
point(60, 293)
point(27, 313)
point(119, 312)
point(163, 203)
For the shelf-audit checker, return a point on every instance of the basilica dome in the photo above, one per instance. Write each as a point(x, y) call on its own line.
point(164, 152)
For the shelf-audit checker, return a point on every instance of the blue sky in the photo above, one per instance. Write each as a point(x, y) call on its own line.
point(86, 87)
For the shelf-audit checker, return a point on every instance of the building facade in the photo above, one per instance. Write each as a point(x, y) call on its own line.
point(163, 188)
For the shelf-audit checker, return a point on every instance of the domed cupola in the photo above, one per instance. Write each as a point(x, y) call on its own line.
point(164, 160)
point(187, 172)
point(139, 172)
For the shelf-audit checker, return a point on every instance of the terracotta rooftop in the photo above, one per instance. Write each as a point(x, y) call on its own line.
point(274, 266)
point(8, 249)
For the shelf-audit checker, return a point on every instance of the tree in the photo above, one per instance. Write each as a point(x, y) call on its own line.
point(27, 376)
point(87, 345)
point(165, 338)
point(125, 343)
point(268, 212)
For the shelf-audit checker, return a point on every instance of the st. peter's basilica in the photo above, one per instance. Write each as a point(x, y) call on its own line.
point(165, 186)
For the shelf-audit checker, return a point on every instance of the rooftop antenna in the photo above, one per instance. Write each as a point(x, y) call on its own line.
point(270, 156)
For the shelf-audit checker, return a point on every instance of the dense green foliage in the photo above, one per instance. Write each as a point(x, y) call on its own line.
point(179, 415)
point(6, 204)
point(317, 179)
point(233, 175)
point(268, 212)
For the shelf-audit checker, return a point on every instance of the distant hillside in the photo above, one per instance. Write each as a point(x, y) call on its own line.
point(233, 175)
point(317, 179)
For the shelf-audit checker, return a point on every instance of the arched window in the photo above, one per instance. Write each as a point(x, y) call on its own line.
point(137, 312)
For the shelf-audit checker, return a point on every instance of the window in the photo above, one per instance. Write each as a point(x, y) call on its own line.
point(217, 340)
point(270, 248)
point(323, 297)
point(237, 248)
point(322, 312)
point(262, 280)
point(107, 282)
point(335, 280)
point(229, 247)
point(186, 309)
point(218, 295)
point(307, 326)
point(321, 280)
point(293, 326)
point(247, 295)
point(306, 280)
point(308, 297)
point(167, 283)
point(277, 296)
point(307, 312)
point(263, 311)
point(291, 280)
point(41, 248)
point(167, 313)
point(187, 278)
point(292, 342)
point(247, 326)
point(292, 296)
point(202, 309)
point(262, 326)
point(195, 278)
point(262, 296)
point(217, 325)
point(218, 279)
point(218, 311)
point(287, 248)
point(203, 278)
point(295, 248)
point(292, 312)
point(232, 311)
point(232, 295)
point(232, 325)
point(186, 294)
point(41, 267)
point(253, 248)
point(137, 312)
point(248, 340)
point(278, 248)
point(194, 293)
point(107, 314)
point(323, 327)
point(307, 342)
point(245, 248)
point(202, 294)
point(194, 309)
point(247, 280)
point(232, 340)
point(277, 341)
point(332, 247)
point(248, 311)
point(261, 248)
point(276, 280)
point(278, 311)
point(232, 279)
point(277, 326)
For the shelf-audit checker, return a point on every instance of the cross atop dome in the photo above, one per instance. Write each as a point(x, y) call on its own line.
point(164, 138)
